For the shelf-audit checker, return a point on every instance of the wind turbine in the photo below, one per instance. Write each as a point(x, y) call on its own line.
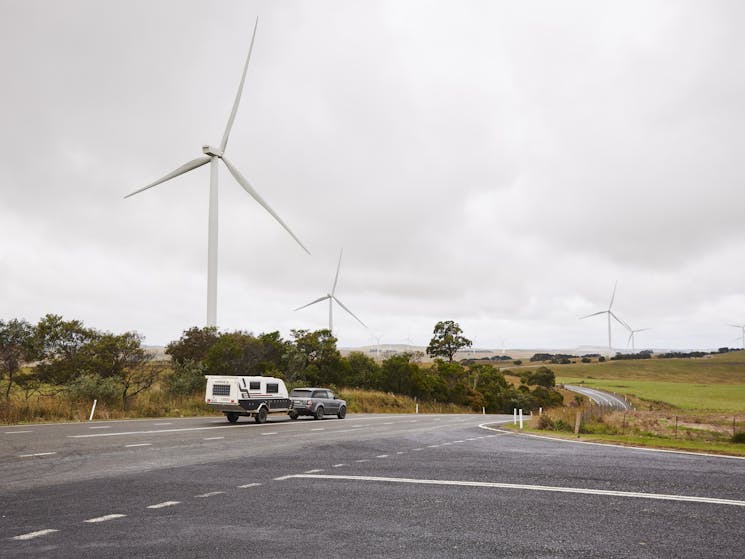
point(742, 328)
point(610, 314)
point(331, 298)
point(631, 337)
point(213, 155)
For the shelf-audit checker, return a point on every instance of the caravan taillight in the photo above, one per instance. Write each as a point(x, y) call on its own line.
point(309, 403)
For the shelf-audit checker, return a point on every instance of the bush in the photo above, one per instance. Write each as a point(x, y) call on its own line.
point(187, 378)
point(739, 437)
point(89, 386)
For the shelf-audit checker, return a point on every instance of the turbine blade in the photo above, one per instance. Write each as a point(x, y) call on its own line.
point(631, 337)
point(314, 302)
point(593, 314)
point(621, 322)
point(613, 296)
point(255, 195)
point(336, 279)
point(185, 168)
point(350, 312)
point(238, 95)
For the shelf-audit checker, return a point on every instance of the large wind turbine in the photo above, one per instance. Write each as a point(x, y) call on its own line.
point(331, 298)
point(213, 155)
point(610, 314)
point(742, 328)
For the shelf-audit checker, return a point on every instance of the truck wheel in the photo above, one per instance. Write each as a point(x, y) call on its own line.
point(232, 417)
point(342, 412)
point(319, 412)
point(261, 416)
point(293, 415)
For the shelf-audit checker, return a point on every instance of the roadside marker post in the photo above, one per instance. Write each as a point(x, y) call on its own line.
point(521, 418)
point(514, 416)
point(93, 409)
point(417, 409)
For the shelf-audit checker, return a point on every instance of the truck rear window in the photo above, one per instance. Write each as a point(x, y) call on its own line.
point(301, 393)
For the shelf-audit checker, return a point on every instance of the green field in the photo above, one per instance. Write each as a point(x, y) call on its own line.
point(682, 395)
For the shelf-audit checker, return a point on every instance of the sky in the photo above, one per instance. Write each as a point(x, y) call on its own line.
point(499, 164)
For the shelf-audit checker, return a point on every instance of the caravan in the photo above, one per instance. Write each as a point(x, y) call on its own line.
point(249, 396)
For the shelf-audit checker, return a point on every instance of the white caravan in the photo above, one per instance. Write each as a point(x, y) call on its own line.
point(249, 396)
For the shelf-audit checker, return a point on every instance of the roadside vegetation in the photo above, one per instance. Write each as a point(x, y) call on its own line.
point(54, 370)
point(688, 403)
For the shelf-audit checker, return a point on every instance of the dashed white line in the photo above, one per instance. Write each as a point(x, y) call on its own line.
point(433, 446)
point(164, 504)
point(265, 434)
point(361, 461)
point(32, 535)
point(388, 423)
point(100, 427)
point(161, 424)
point(456, 442)
point(36, 454)
point(104, 518)
point(401, 452)
point(16, 432)
point(318, 429)
point(213, 438)
point(137, 444)
point(313, 471)
point(338, 465)
point(382, 456)
point(248, 485)
point(210, 494)
point(547, 488)
point(416, 449)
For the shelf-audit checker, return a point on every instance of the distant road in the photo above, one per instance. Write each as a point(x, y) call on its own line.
point(600, 397)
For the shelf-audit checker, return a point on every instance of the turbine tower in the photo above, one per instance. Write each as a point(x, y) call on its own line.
point(742, 329)
point(610, 314)
point(213, 155)
point(331, 298)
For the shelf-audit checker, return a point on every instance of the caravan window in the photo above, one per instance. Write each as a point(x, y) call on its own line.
point(221, 390)
point(272, 388)
point(254, 385)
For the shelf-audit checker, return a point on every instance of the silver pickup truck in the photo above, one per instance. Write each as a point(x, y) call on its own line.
point(316, 402)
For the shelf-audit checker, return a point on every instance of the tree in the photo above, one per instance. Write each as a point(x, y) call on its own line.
point(193, 345)
point(314, 358)
point(17, 346)
point(60, 343)
point(447, 340)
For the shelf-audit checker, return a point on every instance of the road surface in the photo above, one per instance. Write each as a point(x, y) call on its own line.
point(365, 486)
point(600, 397)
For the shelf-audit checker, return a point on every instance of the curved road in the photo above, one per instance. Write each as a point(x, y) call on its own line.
point(367, 486)
point(600, 397)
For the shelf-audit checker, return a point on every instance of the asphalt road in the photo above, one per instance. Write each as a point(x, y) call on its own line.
point(600, 397)
point(366, 486)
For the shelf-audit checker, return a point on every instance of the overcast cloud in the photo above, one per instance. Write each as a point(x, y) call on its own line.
point(500, 164)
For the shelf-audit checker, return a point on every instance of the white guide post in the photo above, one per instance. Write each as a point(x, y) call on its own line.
point(514, 416)
point(521, 418)
point(93, 409)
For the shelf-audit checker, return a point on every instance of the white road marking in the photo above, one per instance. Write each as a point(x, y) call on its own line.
point(164, 504)
point(401, 452)
point(338, 465)
point(265, 434)
point(101, 427)
point(16, 432)
point(456, 442)
point(388, 423)
point(361, 461)
point(160, 424)
point(313, 471)
point(433, 446)
point(32, 535)
point(417, 449)
point(37, 454)
point(210, 494)
point(104, 518)
point(213, 438)
point(318, 429)
point(382, 456)
point(547, 488)
point(248, 485)
point(138, 444)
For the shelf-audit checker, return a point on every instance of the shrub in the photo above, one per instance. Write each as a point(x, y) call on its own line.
point(739, 437)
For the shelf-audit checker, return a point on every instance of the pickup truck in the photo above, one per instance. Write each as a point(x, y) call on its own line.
point(255, 397)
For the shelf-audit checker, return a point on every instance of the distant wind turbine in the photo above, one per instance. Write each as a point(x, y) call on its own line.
point(331, 298)
point(212, 155)
point(742, 329)
point(632, 333)
point(610, 314)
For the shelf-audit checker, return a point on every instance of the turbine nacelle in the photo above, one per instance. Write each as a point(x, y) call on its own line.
point(212, 151)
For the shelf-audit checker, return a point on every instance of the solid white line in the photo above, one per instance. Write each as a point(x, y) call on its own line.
point(32, 535)
point(37, 454)
point(164, 504)
point(138, 444)
point(105, 518)
point(248, 485)
point(576, 490)
point(213, 438)
point(210, 494)
point(611, 445)
point(16, 432)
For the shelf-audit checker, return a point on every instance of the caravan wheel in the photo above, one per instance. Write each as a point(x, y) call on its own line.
point(232, 417)
point(261, 415)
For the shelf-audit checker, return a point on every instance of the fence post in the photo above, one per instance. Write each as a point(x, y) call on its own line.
point(577, 422)
point(93, 409)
